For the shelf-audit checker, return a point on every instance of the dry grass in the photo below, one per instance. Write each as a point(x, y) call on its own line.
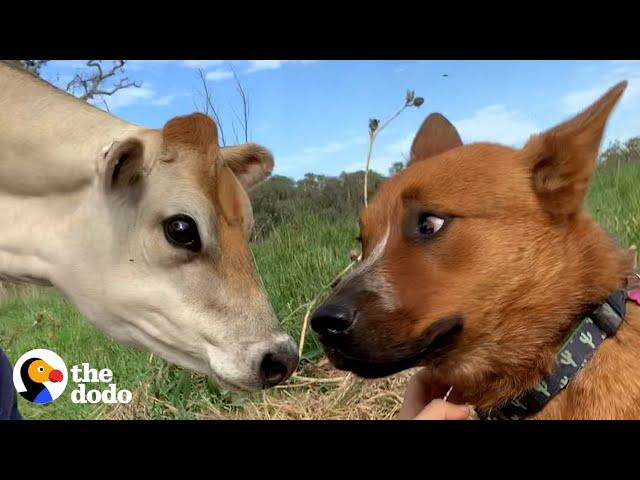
point(137, 409)
point(324, 393)
point(316, 392)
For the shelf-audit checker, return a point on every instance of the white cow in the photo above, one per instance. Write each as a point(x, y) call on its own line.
point(144, 230)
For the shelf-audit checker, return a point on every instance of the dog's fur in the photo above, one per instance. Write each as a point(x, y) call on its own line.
point(486, 302)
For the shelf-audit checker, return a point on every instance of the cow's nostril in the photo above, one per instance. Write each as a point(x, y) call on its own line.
point(276, 366)
point(331, 319)
point(272, 370)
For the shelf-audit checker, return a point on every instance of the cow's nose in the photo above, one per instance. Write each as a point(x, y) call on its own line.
point(278, 364)
point(332, 319)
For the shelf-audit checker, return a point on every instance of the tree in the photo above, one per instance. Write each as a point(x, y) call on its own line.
point(98, 81)
point(633, 148)
point(93, 83)
point(395, 168)
point(619, 154)
point(32, 66)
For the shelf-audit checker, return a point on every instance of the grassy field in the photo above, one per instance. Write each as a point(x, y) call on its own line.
point(294, 261)
point(614, 200)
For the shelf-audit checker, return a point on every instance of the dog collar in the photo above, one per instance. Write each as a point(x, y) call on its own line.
point(582, 342)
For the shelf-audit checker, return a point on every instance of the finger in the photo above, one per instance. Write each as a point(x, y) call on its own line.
point(441, 410)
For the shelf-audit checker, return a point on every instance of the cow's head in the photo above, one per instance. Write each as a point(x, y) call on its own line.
point(165, 263)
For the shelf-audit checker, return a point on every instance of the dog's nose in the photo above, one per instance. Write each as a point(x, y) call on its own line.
point(332, 318)
point(278, 364)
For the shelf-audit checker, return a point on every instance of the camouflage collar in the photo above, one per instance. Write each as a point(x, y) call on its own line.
point(580, 345)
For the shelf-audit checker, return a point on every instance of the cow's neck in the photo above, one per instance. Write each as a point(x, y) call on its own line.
point(50, 148)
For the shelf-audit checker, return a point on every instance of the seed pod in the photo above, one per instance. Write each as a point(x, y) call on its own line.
point(410, 96)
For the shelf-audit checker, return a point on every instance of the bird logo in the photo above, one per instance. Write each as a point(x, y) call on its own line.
point(40, 376)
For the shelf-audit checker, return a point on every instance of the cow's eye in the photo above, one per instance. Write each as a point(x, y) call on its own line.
point(181, 231)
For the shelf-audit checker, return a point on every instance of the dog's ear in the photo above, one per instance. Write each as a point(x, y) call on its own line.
point(436, 135)
point(563, 158)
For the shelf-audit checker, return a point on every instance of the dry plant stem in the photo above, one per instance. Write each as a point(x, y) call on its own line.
point(372, 138)
point(321, 380)
point(373, 133)
point(315, 300)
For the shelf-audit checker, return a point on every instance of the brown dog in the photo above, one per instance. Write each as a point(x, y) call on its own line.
point(478, 261)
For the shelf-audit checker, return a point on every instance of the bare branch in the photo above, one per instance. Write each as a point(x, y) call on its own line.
point(233, 123)
point(235, 132)
point(92, 84)
point(241, 130)
point(210, 107)
point(245, 104)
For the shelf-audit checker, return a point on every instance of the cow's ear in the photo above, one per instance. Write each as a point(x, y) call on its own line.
point(125, 161)
point(251, 163)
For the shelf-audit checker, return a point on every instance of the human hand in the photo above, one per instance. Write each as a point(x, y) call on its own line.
point(423, 401)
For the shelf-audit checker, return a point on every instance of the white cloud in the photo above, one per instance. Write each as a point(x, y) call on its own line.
point(259, 65)
point(222, 71)
point(167, 99)
point(127, 97)
point(163, 101)
point(382, 158)
point(203, 63)
point(218, 75)
point(314, 155)
point(577, 100)
point(132, 96)
point(622, 125)
point(335, 146)
point(496, 123)
point(493, 123)
point(401, 146)
point(137, 65)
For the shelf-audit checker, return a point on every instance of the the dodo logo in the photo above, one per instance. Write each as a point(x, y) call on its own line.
point(40, 376)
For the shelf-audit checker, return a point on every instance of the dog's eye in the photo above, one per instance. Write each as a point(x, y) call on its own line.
point(429, 225)
point(182, 231)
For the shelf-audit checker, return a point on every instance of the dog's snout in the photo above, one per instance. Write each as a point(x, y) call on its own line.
point(278, 364)
point(332, 318)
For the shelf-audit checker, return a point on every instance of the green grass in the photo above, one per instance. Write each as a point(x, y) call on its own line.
point(295, 261)
point(614, 200)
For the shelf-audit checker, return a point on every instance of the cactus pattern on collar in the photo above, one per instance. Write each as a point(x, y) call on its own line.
point(580, 345)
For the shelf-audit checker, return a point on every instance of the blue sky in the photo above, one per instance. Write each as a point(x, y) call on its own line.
point(313, 115)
